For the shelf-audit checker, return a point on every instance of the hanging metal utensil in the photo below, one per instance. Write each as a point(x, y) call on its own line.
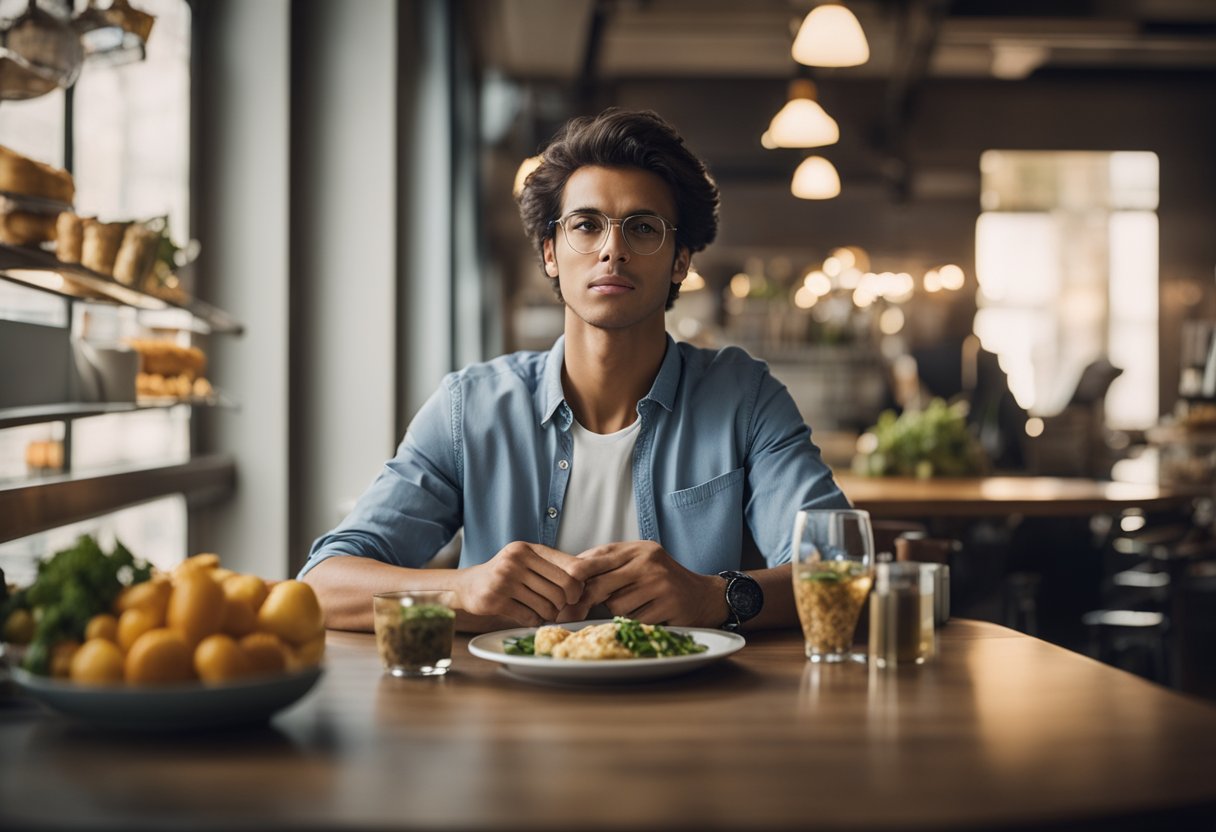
point(39, 53)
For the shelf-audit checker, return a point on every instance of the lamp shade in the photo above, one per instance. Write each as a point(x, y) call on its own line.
point(815, 178)
point(802, 122)
point(831, 36)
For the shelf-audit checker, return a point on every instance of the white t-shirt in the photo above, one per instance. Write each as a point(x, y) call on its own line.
point(599, 507)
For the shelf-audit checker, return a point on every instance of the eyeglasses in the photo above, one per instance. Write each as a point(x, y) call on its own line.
point(587, 231)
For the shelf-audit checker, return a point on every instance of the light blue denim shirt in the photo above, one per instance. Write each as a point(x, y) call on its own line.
point(721, 445)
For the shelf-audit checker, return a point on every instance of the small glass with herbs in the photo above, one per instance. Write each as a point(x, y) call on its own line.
point(414, 631)
point(833, 560)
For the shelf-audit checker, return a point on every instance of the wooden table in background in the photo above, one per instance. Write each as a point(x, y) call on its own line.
point(890, 497)
point(1001, 729)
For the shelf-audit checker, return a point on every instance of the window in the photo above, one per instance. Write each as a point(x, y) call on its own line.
point(1066, 259)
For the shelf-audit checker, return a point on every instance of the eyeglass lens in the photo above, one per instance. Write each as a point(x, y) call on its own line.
point(586, 232)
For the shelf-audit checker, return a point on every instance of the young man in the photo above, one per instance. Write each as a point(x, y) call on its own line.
point(619, 469)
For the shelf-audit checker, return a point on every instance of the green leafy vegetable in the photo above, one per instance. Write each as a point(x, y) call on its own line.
point(520, 646)
point(934, 442)
point(426, 611)
point(71, 587)
point(658, 642)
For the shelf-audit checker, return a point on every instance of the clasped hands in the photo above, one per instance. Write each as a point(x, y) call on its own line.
point(534, 584)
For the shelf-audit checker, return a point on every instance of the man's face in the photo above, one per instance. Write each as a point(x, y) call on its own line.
point(614, 287)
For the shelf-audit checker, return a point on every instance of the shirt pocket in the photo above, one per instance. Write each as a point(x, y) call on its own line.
point(688, 497)
point(704, 529)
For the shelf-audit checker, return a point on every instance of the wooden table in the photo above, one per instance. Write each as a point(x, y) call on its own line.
point(1000, 729)
point(886, 497)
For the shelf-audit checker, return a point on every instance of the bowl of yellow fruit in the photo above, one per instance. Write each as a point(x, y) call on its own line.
point(108, 639)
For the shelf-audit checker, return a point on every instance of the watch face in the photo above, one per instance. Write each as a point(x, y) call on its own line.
point(744, 597)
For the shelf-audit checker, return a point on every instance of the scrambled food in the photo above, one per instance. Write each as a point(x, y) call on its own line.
point(621, 638)
point(829, 597)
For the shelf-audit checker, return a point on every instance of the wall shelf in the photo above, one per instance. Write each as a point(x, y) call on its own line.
point(41, 270)
point(31, 507)
point(11, 417)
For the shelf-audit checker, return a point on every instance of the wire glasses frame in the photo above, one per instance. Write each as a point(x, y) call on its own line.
point(587, 231)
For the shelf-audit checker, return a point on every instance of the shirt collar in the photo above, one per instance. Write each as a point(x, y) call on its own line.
point(553, 401)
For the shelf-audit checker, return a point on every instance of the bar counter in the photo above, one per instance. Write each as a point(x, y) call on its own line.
point(1000, 730)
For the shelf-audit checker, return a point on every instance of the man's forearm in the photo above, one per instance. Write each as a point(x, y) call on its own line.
point(779, 609)
point(345, 585)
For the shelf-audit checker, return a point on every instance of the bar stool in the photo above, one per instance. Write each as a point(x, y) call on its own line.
point(1133, 640)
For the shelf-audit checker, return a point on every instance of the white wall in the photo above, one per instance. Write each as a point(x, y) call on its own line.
point(242, 141)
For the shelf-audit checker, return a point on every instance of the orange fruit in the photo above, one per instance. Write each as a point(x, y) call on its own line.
point(248, 588)
point(97, 662)
point(196, 607)
point(239, 617)
point(61, 658)
point(153, 594)
point(158, 657)
point(308, 654)
point(134, 623)
point(267, 654)
point(220, 659)
point(201, 562)
point(102, 625)
point(291, 611)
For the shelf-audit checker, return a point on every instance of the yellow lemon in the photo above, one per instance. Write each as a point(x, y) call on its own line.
point(134, 623)
point(159, 657)
point(61, 658)
point(239, 617)
point(19, 627)
point(97, 662)
point(291, 611)
point(102, 625)
point(153, 594)
point(220, 659)
point(308, 654)
point(204, 562)
point(248, 588)
point(266, 653)
point(196, 607)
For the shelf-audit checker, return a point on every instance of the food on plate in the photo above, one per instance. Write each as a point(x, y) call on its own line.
point(99, 619)
point(100, 246)
point(22, 175)
point(621, 638)
point(829, 595)
point(413, 637)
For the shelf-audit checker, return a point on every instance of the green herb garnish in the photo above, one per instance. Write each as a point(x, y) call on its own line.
point(659, 642)
point(426, 611)
point(520, 646)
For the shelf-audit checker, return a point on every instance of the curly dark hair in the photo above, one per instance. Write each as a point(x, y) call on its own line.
point(622, 138)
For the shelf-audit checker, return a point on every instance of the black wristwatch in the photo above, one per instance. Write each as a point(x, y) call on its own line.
point(744, 598)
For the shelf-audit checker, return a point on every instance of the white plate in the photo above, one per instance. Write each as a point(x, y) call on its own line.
point(608, 671)
point(172, 707)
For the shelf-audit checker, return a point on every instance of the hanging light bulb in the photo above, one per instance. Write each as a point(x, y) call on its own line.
point(525, 169)
point(831, 36)
point(802, 122)
point(815, 178)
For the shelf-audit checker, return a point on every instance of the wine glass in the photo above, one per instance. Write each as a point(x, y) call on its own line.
point(833, 566)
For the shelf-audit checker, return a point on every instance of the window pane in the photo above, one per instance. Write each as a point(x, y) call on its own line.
point(34, 127)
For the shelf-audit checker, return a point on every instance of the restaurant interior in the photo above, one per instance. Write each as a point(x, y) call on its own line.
point(973, 238)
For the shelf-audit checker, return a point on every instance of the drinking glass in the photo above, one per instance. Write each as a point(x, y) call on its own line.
point(833, 565)
point(414, 632)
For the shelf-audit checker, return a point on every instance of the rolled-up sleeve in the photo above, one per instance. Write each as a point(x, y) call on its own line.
point(414, 506)
point(785, 471)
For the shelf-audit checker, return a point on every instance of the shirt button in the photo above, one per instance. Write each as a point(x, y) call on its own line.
point(563, 464)
point(552, 512)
